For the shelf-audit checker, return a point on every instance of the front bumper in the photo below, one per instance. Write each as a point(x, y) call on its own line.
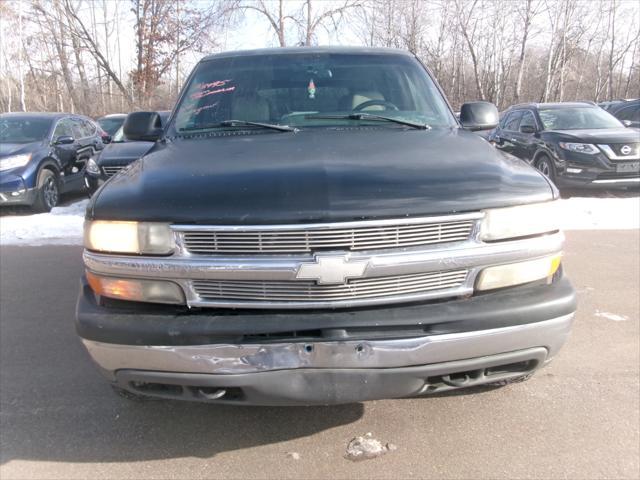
point(93, 182)
point(13, 191)
point(276, 358)
point(596, 171)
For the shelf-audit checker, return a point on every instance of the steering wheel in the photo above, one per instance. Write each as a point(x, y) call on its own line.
point(371, 103)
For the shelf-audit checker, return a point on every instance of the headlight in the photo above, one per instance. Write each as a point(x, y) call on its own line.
point(580, 148)
point(129, 237)
point(156, 291)
point(92, 167)
point(14, 162)
point(520, 221)
point(517, 273)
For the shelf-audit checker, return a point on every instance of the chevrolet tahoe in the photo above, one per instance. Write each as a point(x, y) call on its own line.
point(314, 226)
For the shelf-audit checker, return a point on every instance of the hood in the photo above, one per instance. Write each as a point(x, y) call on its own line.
point(7, 149)
point(123, 153)
point(603, 135)
point(318, 175)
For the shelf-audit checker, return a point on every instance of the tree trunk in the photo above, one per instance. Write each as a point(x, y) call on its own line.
point(523, 52)
point(20, 59)
point(612, 16)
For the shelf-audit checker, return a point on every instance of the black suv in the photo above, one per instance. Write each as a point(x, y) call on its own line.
point(574, 144)
point(43, 155)
point(627, 111)
point(313, 225)
point(116, 156)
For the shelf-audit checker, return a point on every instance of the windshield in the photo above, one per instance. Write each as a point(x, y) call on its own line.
point(24, 130)
point(111, 125)
point(577, 118)
point(290, 89)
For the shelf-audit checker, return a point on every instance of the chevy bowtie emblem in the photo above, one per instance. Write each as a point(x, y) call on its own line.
point(625, 150)
point(331, 269)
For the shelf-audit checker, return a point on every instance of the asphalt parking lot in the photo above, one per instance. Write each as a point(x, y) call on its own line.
point(578, 418)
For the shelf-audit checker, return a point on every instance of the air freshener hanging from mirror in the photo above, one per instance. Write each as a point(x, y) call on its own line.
point(311, 89)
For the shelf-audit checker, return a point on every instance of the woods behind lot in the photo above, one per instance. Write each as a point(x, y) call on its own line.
point(101, 56)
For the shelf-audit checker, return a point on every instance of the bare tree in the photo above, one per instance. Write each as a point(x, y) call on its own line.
point(468, 23)
point(527, 14)
point(276, 17)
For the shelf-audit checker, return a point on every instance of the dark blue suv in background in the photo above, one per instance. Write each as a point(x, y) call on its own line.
point(43, 155)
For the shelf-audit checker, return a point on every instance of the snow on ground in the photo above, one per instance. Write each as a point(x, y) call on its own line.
point(592, 213)
point(64, 224)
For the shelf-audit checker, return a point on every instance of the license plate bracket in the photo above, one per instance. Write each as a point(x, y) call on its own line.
point(628, 167)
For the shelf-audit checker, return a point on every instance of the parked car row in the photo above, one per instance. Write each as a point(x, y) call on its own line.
point(574, 144)
point(43, 155)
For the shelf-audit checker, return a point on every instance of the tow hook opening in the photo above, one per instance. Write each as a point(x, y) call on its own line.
point(156, 388)
point(210, 393)
point(460, 379)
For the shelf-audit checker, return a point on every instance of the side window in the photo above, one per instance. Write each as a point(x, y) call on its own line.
point(88, 128)
point(630, 113)
point(528, 120)
point(63, 129)
point(511, 123)
point(78, 130)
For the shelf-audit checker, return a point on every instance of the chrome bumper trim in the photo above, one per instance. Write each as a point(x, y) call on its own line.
point(619, 180)
point(285, 267)
point(253, 358)
point(472, 255)
point(613, 156)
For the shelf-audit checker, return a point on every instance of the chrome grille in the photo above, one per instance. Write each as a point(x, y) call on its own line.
point(302, 292)
point(111, 170)
point(614, 151)
point(305, 239)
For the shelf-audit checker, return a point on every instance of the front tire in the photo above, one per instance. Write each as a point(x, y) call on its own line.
point(48, 192)
point(545, 165)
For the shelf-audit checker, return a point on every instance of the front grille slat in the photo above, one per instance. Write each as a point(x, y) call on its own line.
point(111, 170)
point(296, 291)
point(282, 241)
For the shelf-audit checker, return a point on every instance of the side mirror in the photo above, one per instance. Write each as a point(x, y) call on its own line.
point(528, 129)
point(627, 123)
point(64, 140)
point(143, 126)
point(479, 116)
point(106, 139)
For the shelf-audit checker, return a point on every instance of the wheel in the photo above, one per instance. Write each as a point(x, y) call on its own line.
point(48, 193)
point(545, 165)
point(509, 381)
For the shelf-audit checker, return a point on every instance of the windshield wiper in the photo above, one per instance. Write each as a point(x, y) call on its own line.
point(370, 116)
point(240, 123)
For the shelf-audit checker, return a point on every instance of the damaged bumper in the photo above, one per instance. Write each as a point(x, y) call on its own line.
point(464, 343)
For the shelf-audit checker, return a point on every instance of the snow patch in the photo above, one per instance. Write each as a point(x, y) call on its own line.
point(611, 316)
point(61, 226)
point(589, 213)
point(366, 448)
